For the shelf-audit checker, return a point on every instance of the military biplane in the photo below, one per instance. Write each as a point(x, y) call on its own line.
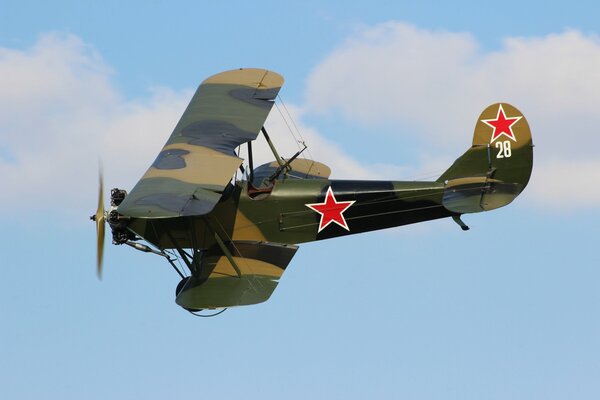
point(231, 239)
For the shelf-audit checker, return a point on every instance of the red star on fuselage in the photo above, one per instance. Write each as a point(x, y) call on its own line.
point(502, 125)
point(331, 210)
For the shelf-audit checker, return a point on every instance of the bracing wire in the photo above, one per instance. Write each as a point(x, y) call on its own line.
point(424, 176)
point(288, 126)
point(289, 116)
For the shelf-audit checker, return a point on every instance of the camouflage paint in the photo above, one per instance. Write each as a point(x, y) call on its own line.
point(185, 197)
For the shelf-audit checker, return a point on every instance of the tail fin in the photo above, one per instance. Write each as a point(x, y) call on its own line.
point(497, 167)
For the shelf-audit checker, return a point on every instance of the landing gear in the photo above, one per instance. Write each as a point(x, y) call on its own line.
point(178, 290)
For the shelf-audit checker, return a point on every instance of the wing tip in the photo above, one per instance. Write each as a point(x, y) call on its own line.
point(259, 78)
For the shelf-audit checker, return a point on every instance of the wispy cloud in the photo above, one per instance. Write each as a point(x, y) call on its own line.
point(60, 111)
point(438, 81)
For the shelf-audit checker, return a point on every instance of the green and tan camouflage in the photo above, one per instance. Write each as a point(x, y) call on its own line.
point(198, 160)
point(238, 237)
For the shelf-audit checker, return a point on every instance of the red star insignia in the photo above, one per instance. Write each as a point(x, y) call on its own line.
point(331, 210)
point(502, 125)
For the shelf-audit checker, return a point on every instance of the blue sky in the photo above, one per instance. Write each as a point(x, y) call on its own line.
point(379, 90)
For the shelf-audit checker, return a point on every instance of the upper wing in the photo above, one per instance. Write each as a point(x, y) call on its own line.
point(198, 160)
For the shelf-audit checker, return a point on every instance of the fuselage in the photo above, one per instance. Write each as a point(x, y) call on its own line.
point(296, 211)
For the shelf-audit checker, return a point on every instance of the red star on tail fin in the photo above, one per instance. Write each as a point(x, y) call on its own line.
point(502, 125)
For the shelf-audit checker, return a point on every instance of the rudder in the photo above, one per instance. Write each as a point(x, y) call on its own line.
point(497, 167)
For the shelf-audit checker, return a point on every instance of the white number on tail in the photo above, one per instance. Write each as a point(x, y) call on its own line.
point(504, 150)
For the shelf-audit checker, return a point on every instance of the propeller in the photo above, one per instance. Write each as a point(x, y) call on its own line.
point(99, 219)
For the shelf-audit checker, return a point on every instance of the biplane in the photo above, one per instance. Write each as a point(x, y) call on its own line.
point(230, 240)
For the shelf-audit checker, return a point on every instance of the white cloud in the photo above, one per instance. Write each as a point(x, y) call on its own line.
point(438, 82)
point(320, 148)
point(59, 113)
point(566, 185)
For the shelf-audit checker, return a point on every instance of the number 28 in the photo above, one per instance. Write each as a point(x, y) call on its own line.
point(504, 150)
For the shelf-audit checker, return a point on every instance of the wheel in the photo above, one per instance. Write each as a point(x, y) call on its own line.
point(180, 285)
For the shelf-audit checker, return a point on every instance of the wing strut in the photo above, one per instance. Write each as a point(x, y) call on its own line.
point(283, 166)
point(194, 264)
point(228, 255)
point(250, 162)
point(286, 166)
point(277, 157)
